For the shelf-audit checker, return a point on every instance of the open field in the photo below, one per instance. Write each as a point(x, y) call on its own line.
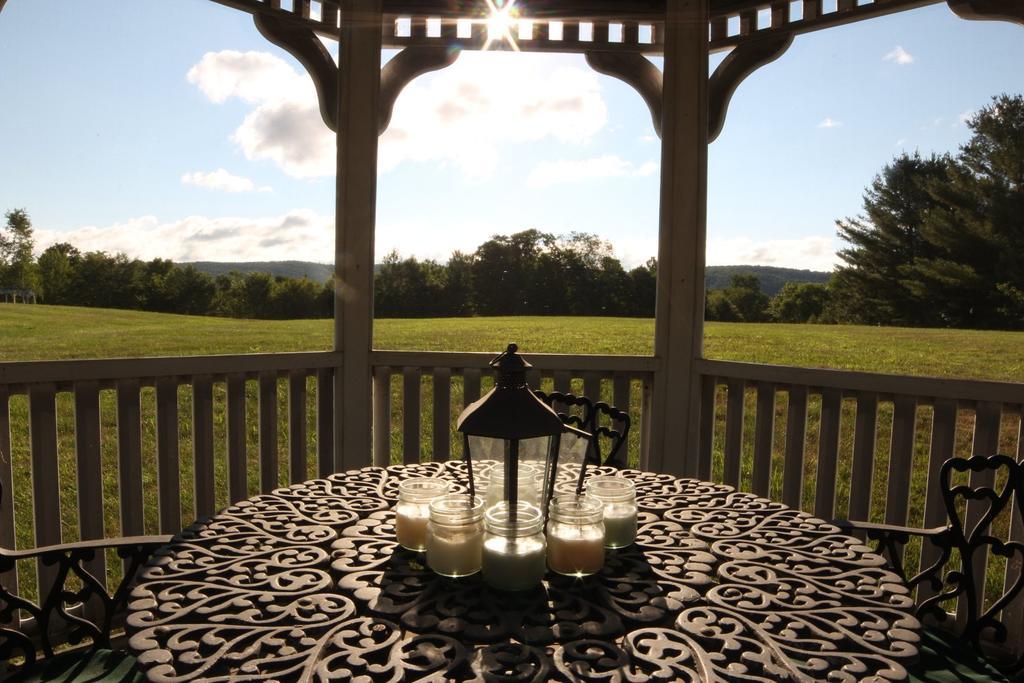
point(53, 332)
point(42, 332)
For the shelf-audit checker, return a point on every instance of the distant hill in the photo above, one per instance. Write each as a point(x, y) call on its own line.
point(318, 272)
point(771, 278)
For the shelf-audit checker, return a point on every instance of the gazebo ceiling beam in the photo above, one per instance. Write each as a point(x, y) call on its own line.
point(585, 23)
point(1002, 10)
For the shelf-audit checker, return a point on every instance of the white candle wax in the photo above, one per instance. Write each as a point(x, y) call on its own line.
point(619, 528)
point(411, 526)
point(455, 554)
point(577, 554)
point(514, 564)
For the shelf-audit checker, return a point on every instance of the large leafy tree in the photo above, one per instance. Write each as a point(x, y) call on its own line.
point(973, 275)
point(17, 266)
point(874, 282)
point(942, 239)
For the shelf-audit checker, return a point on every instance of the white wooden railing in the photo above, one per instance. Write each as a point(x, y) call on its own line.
point(147, 445)
point(804, 436)
point(457, 379)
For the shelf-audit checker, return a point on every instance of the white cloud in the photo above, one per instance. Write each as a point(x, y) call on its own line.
point(549, 173)
point(462, 115)
point(466, 113)
point(285, 126)
point(221, 180)
point(255, 77)
point(830, 122)
point(812, 252)
point(899, 56)
point(901, 142)
point(298, 235)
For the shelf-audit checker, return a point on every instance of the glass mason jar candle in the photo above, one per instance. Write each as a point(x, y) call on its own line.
point(618, 495)
point(514, 548)
point(413, 510)
point(576, 535)
point(455, 535)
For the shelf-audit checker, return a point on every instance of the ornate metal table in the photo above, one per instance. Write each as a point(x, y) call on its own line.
point(308, 583)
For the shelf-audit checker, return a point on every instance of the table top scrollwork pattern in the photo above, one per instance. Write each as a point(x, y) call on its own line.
point(308, 583)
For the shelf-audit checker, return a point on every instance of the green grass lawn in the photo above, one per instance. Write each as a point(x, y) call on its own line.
point(53, 332)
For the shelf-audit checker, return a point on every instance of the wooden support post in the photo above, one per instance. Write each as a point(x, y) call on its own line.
point(679, 327)
point(359, 88)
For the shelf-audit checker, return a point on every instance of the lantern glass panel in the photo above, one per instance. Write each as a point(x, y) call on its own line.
point(572, 450)
point(487, 453)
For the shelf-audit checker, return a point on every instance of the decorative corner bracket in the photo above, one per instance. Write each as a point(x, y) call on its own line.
point(636, 71)
point(403, 68)
point(996, 10)
point(303, 44)
point(744, 60)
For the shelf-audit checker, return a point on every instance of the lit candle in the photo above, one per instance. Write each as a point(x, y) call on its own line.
point(514, 547)
point(618, 495)
point(579, 556)
point(576, 535)
point(455, 555)
point(413, 510)
point(619, 529)
point(455, 535)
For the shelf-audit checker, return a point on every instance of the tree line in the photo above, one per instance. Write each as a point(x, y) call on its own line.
point(940, 244)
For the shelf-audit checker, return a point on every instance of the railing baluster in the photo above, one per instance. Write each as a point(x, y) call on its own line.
point(592, 386)
point(733, 432)
point(90, 481)
point(268, 432)
point(708, 385)
point(646, 397)
point(986, 442)
point(382, 416)
point(764, 429)
point(944, 413)
point(1013, 613)
point(796, 426)
point(828, 453)
point(297, 466)
point(442, 413)
point(7, 538)
point(411, 414)
point(168, 472)
point(45, 475)
point(202, 445)
point(238, 484)
point(129, 455)
point(563, 385)
point(901, 460)
point(863, 456)
point(470, 385)
point(324, 421)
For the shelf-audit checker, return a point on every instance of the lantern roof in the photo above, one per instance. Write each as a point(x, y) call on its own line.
point(510, 410)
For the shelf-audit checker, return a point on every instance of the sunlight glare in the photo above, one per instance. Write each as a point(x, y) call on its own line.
point(500, 23)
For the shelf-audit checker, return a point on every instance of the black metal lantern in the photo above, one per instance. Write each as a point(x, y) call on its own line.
point(511, 424)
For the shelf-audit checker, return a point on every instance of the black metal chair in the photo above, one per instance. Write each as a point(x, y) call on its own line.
point(956, 645)
point(589, 421)
point(83, 618)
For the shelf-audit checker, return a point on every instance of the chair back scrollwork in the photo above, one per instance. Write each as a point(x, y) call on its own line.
point(65, 614)
point(972, 511)
point(589, 420)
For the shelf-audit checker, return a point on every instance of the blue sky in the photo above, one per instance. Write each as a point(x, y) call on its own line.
point(173, 129)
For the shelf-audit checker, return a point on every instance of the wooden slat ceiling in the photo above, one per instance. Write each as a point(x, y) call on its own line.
point(582, 25)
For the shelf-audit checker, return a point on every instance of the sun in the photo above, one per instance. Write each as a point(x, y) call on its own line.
point(500, 23)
